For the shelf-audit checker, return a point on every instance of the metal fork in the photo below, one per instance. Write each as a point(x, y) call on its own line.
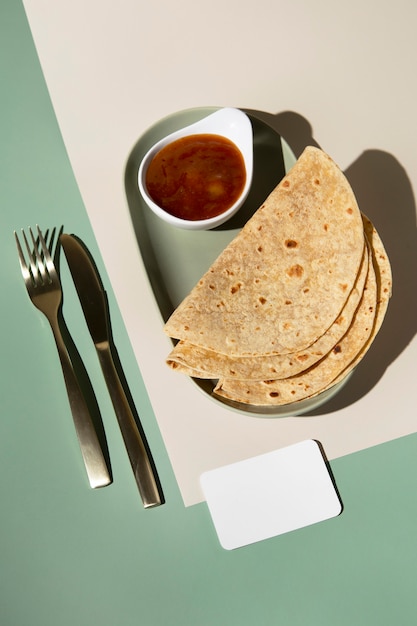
point(44, 289)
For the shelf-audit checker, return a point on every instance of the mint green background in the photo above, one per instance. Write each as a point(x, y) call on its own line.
point(71, 556)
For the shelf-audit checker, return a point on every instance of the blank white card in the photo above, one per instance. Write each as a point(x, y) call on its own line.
point(270, 494)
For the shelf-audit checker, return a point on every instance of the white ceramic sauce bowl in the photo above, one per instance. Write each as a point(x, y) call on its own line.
point(228, 122)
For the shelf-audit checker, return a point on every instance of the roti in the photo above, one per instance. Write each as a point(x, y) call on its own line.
point(203, 363)
point(344, 357)
point(286, 277)
point(319, 376)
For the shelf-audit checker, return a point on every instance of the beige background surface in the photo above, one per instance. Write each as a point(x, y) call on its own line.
point(345, 78)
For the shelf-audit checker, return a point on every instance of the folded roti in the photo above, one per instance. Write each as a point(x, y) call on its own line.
point(344, 357)
point(320, 375)
point(203, 363)
point(286, 277)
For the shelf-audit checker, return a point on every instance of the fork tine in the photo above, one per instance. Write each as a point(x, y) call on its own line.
point(34, 268)
point(51, 243)
point(47, 255)
point(23, 265)
point(45, 251)
point(49, 239)
point(43, 262)
point(37, 256)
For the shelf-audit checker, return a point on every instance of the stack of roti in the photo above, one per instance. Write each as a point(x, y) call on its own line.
point(293, 303)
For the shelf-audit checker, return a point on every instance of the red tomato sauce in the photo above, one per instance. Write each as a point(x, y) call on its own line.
point(196, 177)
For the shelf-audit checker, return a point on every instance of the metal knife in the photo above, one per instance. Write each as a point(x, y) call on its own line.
point(93, 301)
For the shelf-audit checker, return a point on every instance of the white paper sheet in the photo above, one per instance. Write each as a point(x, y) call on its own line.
point(113, 70)
point(270, 494)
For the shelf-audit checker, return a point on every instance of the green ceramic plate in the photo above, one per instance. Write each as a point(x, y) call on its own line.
point(175, 259)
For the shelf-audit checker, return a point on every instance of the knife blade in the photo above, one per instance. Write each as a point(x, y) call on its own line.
point(94, 304)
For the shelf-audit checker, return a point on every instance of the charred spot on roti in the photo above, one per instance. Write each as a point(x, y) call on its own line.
point(295, 270)
point(235, 288)
point(291, 243)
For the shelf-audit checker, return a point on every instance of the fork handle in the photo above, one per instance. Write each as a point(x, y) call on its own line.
point(91, 450)
point(134, 443)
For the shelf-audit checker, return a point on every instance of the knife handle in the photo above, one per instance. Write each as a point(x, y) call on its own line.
point(134, 443)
